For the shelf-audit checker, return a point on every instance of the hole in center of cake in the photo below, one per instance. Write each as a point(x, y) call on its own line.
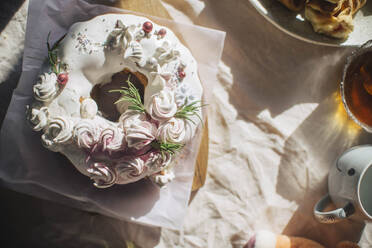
point(106, 99)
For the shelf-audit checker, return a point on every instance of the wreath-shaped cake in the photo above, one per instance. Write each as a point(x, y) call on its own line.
point(152, 127)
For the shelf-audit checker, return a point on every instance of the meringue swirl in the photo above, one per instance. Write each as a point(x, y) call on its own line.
point(166, 53)
point(138, 131)
point(162, 105)
point(116, 39)
point(111, 139)
point(172, 131)
point(86, 134)
point(59, 131)
point(131, 171)
point(46, 87)
point(39, 118)
point(102, 175)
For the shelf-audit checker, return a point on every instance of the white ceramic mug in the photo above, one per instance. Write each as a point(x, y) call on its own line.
point(349, 187)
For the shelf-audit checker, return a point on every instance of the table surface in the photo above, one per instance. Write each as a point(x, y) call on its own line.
point(276, 126)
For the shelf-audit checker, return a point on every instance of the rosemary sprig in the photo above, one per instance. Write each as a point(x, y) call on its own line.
point(53, 55)
point(165, 147)
point(188, 110)
point(131, 95)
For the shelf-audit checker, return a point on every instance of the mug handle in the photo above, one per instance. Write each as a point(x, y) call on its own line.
point(333, 216)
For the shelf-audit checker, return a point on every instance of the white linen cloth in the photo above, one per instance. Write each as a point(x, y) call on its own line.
point(276, 126)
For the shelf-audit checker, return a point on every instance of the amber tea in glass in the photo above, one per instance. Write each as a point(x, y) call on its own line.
point(356, 88)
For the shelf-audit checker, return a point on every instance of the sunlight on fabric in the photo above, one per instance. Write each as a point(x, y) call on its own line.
point(292, 118)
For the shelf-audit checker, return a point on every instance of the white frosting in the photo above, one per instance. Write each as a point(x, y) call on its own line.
point(157, 85)
point(93, 52)
point(46, 88)
point(88, 109)
point(163, 163)
point(163, 179)
point(166, 53)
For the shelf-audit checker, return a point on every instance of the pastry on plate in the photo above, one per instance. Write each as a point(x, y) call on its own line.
point(332, 19)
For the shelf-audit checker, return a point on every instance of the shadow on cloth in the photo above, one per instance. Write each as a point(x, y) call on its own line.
point(7, 87)
point(34, 222)
point(8, 9)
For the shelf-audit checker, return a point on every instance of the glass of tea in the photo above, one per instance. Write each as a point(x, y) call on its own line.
point(356, 86)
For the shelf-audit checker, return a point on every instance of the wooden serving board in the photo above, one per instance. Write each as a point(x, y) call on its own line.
point(155, 8)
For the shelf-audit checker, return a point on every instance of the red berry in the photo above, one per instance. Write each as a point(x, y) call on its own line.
point(147, 27)
point(181, 74)
point(162, 32)
point(62, 78)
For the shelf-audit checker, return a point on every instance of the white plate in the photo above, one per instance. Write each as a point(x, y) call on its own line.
point(296, 25)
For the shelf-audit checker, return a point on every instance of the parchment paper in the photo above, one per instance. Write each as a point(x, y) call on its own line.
point(28, 167)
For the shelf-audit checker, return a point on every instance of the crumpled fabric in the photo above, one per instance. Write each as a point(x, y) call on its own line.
point(276, 126)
